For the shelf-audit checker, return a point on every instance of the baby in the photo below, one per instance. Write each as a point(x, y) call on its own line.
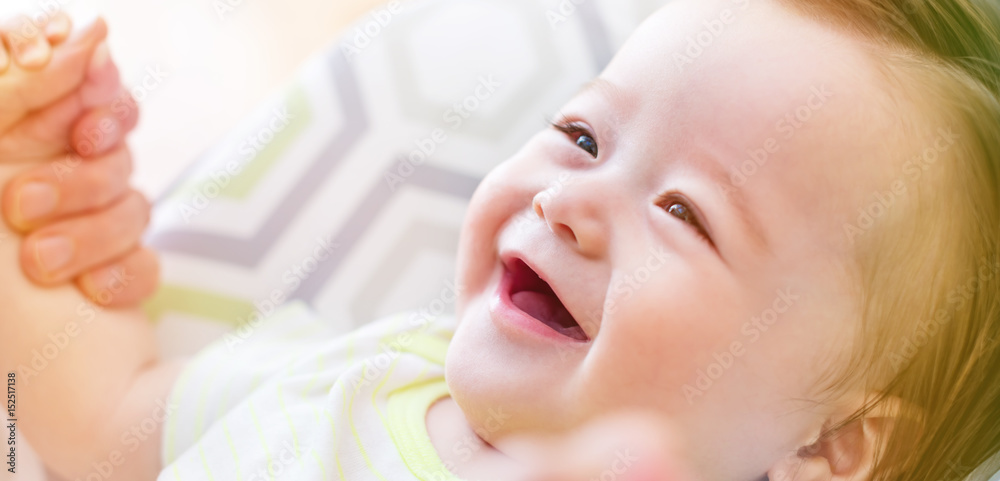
point(783, 250)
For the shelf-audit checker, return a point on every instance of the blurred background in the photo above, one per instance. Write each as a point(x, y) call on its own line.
point(220, 58)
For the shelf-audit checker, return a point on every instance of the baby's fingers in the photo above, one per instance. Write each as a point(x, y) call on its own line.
point(66, 187)
point(58, 28)
point(31, 41)
point(28, 42)
point(66, 249)
point(123, 282)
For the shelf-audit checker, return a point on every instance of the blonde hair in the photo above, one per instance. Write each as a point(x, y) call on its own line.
point(929, 271)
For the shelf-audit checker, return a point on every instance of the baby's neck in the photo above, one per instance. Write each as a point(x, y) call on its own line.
point(463, 452)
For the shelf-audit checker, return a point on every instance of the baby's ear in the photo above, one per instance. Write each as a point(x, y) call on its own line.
point(844, 455)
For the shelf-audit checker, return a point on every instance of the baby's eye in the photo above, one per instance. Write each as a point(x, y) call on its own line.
point(680, 209)
point(588, 144)
point(580, 134)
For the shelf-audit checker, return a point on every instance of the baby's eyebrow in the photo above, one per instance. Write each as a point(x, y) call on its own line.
point(607, 89)
point(736, 198)
point(733, 193)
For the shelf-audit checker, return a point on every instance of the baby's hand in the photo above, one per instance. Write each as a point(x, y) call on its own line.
point(79, 216)
point(31, 43)
point(627, 447)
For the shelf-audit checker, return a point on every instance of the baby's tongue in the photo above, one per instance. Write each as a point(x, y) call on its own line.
point(536, 304)
point(549, 310)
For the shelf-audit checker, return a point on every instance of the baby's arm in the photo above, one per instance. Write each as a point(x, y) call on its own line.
point(84, 377)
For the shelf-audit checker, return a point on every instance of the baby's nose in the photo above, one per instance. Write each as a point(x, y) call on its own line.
point(574, 216)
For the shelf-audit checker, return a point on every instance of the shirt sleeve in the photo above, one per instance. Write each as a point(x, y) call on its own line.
point(231, 368)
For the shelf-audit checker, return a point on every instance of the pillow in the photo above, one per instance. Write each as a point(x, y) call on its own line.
point(348, 188)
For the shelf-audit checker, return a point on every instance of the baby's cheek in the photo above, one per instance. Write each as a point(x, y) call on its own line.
point(655, 341)
point(476, 252)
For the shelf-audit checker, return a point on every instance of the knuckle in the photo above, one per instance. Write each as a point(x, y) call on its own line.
point(140, 200)
point(97, 186)
point(129, 164)
point(139, 206)
point(102, 182)
point(147, 264)
point(27, 260)
point(122, 165)
point(31, 266)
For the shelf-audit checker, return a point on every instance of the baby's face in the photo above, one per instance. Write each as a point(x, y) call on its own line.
point(699, 265)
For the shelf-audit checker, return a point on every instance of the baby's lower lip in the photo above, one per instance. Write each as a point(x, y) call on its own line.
point(513, 320)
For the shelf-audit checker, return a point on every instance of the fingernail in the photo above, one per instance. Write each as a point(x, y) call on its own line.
point(37, 200)
point(100, 59)
point(58, 28)
point(33, 54)
point(85, 22)
point(53, 253)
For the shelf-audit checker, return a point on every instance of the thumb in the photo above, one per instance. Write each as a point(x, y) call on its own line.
point(45, 133)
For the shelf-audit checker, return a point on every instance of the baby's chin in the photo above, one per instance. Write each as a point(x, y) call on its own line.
point(497, 391)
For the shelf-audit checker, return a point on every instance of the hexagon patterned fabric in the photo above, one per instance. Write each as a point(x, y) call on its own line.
point(348, 189)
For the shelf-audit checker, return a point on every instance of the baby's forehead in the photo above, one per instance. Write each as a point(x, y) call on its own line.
point(767, 60)
point(799, 110)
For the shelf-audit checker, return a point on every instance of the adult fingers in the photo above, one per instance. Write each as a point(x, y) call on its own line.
point(90, 126)
point(67, 187)
point(103, 129)
point(124, 282)
point(63, 250)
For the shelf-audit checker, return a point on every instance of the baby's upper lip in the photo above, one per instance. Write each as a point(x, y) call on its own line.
point(507, 257)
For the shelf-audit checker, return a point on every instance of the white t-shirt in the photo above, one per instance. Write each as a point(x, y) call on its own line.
point(287, 400)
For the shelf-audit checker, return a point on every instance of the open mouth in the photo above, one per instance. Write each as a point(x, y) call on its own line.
point(535, 297)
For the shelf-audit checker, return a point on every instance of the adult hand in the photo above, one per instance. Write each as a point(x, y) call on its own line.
point(81, 220)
